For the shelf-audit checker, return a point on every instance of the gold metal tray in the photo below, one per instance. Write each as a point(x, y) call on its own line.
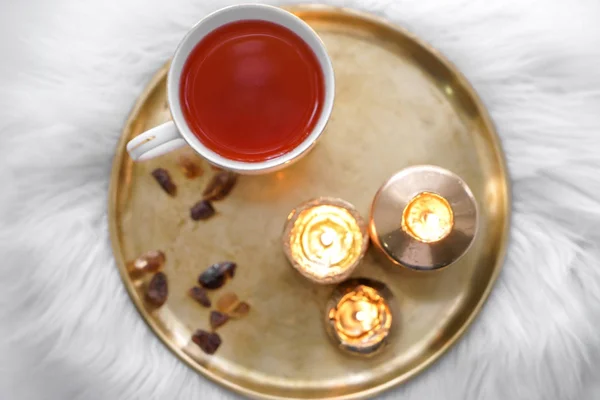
point(398, 103)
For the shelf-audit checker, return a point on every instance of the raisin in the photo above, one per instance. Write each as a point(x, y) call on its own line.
point(164, 180)
point(219, 186)
point(207, 341)
point(157, 290)
point(218, 319)
point(202, 210)
point(200, 295)
point(216, 275)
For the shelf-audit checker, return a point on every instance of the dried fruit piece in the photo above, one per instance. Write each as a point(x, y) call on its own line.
point(216, 275)
point(207, 341)
point(227, 302)
point(157, 290)
point(218, 319)
point(230, 304)
point(151, 261)
point(219, 186)
point(240, 310)
point(155, 260)
point(189, 167)
point(200, 295)
point(202, 210)
point(164, 180)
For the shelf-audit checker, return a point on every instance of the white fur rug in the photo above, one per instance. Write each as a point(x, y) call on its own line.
point(69, 74)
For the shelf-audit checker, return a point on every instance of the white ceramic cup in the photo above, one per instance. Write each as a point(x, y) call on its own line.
point(174, 134)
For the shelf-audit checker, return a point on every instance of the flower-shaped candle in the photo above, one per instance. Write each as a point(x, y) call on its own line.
point(325, 239)
point(359, 317)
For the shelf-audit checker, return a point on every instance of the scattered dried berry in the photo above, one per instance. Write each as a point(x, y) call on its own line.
point(202, 210)
point(190, 168)
point(227, 302)
point(216, 275)
point(219, 186)
point(240, 310)
point(164, 180)
point(200, 295)
point(157, 290)
point(152, 261)
point(207, 341)
point(218, 319)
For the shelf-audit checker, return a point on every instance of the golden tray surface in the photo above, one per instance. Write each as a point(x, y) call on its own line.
point(398, 103)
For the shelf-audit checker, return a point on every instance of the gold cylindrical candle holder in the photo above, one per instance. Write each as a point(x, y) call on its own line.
point(358, 317)
point(424, 218)
point(325, 239)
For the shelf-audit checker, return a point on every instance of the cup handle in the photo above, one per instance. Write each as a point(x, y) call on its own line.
point(155, 142)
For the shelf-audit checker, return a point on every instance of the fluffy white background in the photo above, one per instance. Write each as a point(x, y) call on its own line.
point(70, 72)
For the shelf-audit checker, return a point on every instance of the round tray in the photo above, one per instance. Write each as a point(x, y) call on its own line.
point(398, 103)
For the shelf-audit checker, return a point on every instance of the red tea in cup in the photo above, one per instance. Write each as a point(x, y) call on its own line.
point(252, 90)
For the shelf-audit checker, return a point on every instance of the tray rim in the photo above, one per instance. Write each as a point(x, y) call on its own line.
point(400, 379)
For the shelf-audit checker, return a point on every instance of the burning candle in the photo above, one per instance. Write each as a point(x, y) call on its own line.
point(325, 239)
point(428, 217)
point(359, 317)
point(423, 218)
